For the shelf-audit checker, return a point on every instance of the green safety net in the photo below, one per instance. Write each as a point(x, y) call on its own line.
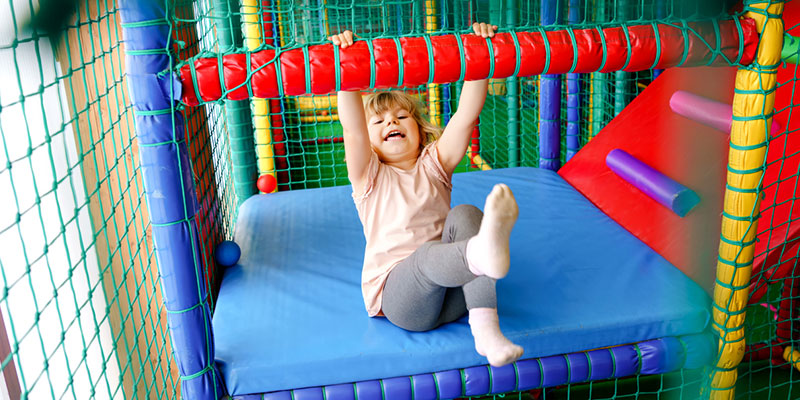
point(81, 306)
point(80, 298)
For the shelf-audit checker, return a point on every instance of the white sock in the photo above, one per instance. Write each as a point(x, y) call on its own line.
point(489, 341)
point(487, 252)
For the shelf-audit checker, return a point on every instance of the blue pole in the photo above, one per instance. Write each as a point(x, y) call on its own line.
point(550, 104)
point(170, 194)
point(574, 92)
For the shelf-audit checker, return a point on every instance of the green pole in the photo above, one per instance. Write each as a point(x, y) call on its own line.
point(512, 93)
point(237, 113)
point(419, 16)
point(621, 78)
point(599, 84)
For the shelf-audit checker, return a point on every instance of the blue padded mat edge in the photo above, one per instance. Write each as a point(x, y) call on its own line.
point(650, 357)
point(290, 314)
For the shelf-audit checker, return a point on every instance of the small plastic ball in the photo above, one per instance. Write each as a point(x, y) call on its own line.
point(266, 183)
point(227, 253)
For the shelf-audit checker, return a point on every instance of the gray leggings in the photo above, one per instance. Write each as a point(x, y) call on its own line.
point(434, 285)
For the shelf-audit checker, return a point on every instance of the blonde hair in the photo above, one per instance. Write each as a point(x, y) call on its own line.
point(379, 103)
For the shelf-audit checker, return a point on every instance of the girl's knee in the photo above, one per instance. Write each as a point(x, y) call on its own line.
point(465, 211)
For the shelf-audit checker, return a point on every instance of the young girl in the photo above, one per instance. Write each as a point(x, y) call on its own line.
point(425, 265)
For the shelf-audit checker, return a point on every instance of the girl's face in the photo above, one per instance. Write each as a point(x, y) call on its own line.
point(394, 135)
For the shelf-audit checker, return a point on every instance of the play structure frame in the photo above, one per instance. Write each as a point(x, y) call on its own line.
point(165, 159)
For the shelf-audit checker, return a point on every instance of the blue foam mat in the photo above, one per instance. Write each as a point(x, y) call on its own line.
point(290, 314)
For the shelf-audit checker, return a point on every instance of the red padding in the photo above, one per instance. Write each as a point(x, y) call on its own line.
point(778, 237)
point(634, 50)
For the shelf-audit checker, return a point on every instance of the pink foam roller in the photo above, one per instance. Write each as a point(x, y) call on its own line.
point(706, 111)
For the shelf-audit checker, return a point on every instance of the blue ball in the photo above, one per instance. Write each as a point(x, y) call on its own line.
point(227, 253)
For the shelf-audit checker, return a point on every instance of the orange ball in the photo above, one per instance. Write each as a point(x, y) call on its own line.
point(266, 183)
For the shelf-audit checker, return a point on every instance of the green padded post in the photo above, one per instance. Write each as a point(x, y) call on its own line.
point(238, 117)
point(512, 94)
point(599, 83)
point(622, 78)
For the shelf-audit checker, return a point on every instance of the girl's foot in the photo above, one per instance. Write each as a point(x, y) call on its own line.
point(487, 252)
point(489, 341)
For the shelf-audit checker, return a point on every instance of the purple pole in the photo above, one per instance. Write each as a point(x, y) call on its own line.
point(654, 184)
point(550, 103)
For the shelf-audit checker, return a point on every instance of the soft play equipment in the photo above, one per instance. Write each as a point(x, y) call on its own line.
point(409, 61)
point(578, 281)
point(685, 150)
point(605, 282)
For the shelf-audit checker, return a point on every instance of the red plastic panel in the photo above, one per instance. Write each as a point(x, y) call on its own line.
point(779, 228)
point(631, 49)
point(686, 151)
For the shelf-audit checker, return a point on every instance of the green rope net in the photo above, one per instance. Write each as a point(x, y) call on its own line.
point(80, 307)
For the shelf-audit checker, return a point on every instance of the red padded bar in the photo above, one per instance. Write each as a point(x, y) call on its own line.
point(207, 76)
point(355, 70)
point(476, 54)
point(354, 62)
point(505, 55)
point(446, 58)
point(562, 53)
point(264, 79)
point(415, 61)
point(386, 73)
point(533, 53)
point(235, 74)
point(323, 77)
point(616, 48)
point(293, 73)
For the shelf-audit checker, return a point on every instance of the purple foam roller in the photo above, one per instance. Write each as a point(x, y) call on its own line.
point(654, 184)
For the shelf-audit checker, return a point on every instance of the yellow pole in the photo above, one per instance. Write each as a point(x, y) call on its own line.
point(792, 356)
point(265, 154)
point(434, 91)
point(754, 98)
point(478, 161)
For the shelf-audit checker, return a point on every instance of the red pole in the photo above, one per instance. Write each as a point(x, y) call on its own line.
point(475, 143)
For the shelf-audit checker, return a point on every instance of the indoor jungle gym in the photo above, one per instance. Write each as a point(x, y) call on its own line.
point(177, 220)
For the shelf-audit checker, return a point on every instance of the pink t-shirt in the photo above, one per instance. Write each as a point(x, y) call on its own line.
point(400, 210)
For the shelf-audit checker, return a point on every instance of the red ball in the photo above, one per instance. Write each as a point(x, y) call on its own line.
point(267, 183)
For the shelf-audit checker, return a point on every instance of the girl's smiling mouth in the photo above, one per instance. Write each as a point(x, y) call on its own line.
point(394, 135)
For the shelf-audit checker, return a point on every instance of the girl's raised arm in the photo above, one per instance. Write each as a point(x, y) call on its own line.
point(454, 141)
point(354, 124)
